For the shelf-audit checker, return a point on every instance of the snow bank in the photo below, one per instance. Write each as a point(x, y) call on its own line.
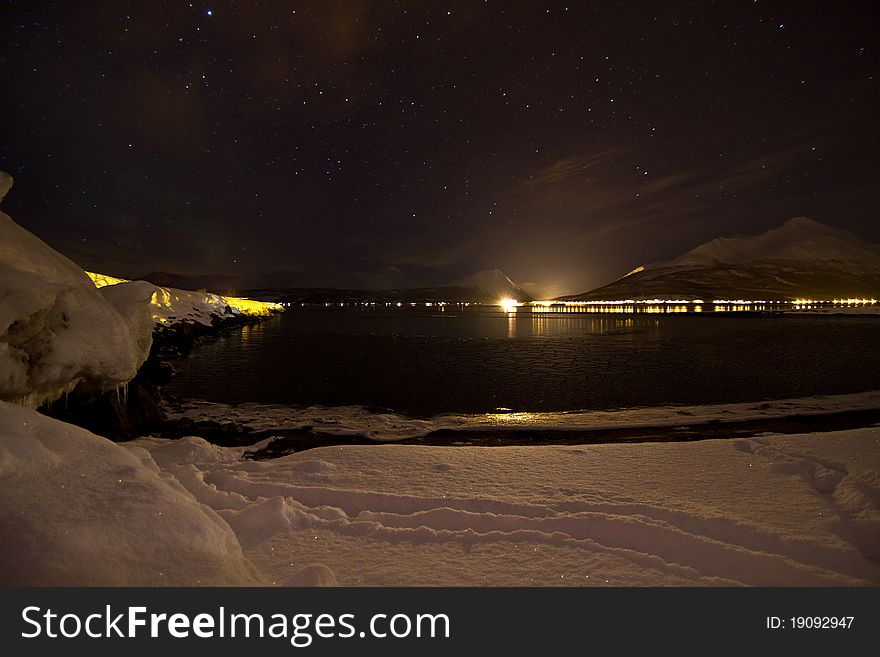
point(769, 511)
point(170, 305)
point(77, 509)
point(56, 329)
point(794, 510)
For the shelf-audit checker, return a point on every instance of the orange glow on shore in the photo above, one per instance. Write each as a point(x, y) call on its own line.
point(678, 305)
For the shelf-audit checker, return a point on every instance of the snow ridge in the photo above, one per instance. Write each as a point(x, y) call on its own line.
point(801, 239)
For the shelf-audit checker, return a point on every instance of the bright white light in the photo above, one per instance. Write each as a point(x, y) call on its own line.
point(508, 305)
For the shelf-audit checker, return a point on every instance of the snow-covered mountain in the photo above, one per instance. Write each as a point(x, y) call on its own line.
point(801, 258)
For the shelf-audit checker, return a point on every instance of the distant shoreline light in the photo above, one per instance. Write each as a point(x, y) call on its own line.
point(658, 301)
point(508, 305)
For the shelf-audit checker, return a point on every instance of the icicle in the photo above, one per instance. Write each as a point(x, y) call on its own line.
point(121, 390)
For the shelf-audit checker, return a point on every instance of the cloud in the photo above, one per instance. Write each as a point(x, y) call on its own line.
point(575, 166)
point(437, 259)
point(598, 213)
point(603, 192)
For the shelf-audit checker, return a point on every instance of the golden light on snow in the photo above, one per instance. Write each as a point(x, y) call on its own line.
point(251, 307)
point(517, 418)
point(101, 280)
point(164, 300)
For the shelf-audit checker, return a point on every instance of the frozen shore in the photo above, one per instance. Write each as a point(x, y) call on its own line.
point(385, 426)
point(794, 510)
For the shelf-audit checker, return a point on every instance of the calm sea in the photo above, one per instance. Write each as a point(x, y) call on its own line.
point(475, 360)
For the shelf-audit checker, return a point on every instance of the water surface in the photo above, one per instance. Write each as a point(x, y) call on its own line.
point(423, 363)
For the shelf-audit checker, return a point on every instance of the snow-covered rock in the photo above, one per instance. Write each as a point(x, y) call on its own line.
point(132, 300)
point(170, 305)
point(78, 509)
point(56, 328)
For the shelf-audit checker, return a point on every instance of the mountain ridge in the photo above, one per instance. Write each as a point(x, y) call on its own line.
point(802, 258)
point(483, 286)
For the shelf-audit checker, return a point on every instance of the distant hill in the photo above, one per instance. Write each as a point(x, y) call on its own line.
point(450, 294)
point(209, 282)
point(494, 283)
point(486, 286)
point(801, 258)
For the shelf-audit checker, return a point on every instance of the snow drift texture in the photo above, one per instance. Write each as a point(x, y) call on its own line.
point(56, 328)
point(767, 511)
point(77, 509)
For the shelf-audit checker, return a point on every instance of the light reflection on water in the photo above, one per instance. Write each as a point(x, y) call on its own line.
point(565, 325)
point(451, 360)
point(251, 330)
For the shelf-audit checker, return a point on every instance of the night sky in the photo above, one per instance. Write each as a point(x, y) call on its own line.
point(411, 143)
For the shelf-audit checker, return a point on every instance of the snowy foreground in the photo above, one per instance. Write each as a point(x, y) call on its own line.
point(775, 510)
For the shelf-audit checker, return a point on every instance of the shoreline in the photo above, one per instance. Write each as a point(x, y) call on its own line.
point(280, 441)
point(128, 410)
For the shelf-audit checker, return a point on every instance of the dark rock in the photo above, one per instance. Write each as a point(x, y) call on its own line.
point(116, 413)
